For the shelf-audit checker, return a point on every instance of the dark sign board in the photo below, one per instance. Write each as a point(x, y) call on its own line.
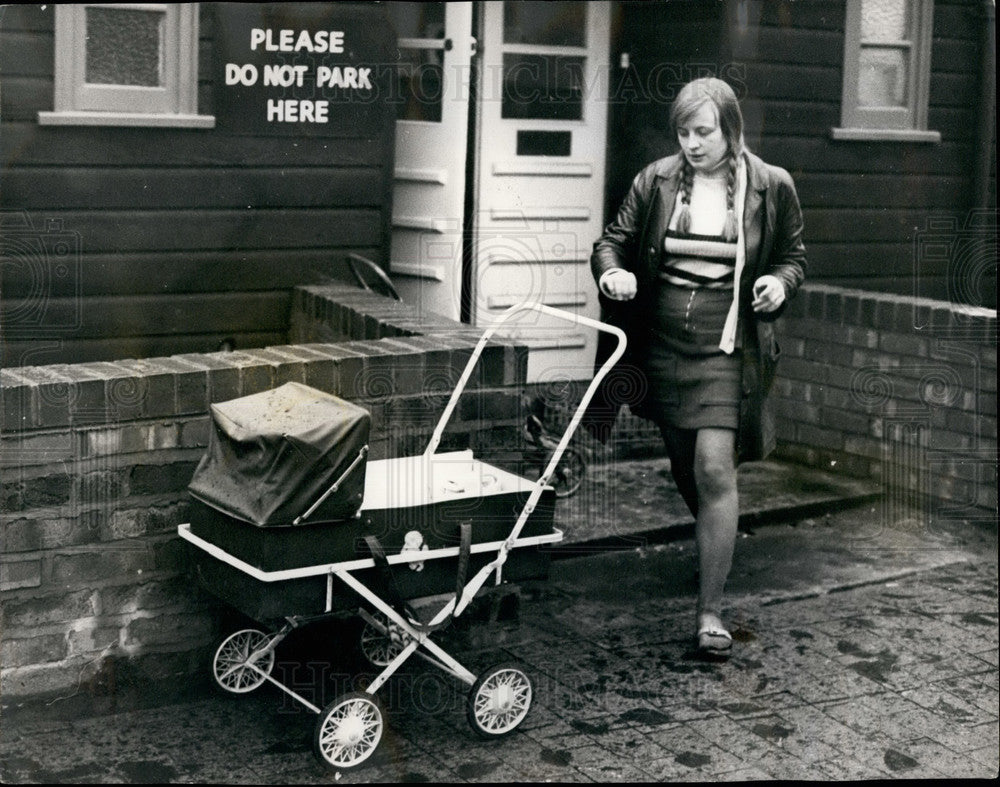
point(319, 69)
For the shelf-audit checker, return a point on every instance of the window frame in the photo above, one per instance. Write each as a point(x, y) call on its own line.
point(175, 104)
point(907, 123)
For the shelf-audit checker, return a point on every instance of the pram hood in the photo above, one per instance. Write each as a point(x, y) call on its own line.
point(272, 455)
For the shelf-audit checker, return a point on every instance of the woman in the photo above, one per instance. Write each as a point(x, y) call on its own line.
point(705, 251)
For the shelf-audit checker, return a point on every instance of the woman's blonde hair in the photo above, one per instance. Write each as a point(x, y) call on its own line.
point(689, 100)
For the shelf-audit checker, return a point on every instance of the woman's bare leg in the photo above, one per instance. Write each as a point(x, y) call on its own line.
point(718, 516)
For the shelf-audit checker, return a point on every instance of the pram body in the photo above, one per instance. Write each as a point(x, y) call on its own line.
point(399, 504)
point(424, 526)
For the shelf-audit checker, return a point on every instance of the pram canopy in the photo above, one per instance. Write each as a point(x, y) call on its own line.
point(272, 455)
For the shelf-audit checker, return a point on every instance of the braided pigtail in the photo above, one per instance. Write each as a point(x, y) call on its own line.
point(687, 181)
point(731, 228)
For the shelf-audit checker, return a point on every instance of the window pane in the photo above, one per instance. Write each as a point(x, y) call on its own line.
point(885, 20)
point(547, 23)
point(883, 78)
point(421, 72)
point(544, 143)
point(124, 47)
point(543, 87)
point(417, 20)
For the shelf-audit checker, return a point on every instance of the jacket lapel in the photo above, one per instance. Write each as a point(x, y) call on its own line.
point(668, 182)
point(754, 224)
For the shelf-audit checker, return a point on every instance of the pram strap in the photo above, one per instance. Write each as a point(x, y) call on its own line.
point(395, 599)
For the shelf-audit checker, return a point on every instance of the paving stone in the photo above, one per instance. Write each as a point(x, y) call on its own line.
point(988, 656)
point(945, 761)
point(821, 682)
point(220, 772)
point(843, 768)
point(694, 760)
point(807, 727)
point(631, 745)
point(732, 737)
point(974, 687)
point(944, 704)
point(763, 705)
point(779, 765)
point(890, 678)
point(988, 755)
point(938, 668)
point(485, 768)
point(880, 714)
point(741, 775)
point(603, 772)
point(548, 765)
point(542, 723)
point(967, 739)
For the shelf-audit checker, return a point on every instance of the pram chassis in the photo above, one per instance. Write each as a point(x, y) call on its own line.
point(349, 729)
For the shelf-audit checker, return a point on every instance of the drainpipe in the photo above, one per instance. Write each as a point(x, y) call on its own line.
point(987, 97)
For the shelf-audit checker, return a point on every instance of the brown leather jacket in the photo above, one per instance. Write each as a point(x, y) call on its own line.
point(772, 226)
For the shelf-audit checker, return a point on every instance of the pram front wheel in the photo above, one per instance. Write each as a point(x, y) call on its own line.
point(348, 731)
point(233, 667)
point(499, 700)
point(381, 645)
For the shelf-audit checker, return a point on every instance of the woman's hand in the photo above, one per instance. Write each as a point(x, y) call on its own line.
point(768, 294)
point(619, 284)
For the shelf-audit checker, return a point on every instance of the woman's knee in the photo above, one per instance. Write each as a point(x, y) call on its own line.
point(715, 466)
point(714, 478)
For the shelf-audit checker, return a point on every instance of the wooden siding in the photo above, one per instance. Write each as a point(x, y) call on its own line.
point(188, 237)
point(865, 203)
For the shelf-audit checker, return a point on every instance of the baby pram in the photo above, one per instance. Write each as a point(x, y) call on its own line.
point(435, 526)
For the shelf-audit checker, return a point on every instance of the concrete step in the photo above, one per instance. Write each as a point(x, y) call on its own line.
point(632, 503)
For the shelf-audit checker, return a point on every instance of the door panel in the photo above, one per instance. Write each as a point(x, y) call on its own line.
point(541, 135)
point(435, 45)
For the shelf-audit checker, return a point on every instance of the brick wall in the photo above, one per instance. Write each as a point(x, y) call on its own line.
point(96, 458)
point(898, 389)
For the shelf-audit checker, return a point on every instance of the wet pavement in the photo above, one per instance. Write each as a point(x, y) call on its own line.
point(866, 647)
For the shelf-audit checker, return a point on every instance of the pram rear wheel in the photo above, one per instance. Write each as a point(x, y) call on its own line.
point(499, 700)
point(348, 731)
point(569, 473)
point(232, 667)
point(381, 646)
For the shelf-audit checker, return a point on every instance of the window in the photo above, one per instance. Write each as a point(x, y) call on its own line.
point(887, 65)
point(544, 59)
point(421, 46)
point(126, 64)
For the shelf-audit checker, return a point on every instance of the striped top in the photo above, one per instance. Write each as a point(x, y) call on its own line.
point(701, 257)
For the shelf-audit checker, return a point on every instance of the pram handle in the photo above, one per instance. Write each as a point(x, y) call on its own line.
point(587, 396)
point(494, 566)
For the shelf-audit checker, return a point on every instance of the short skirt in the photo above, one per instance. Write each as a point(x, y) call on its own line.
point(692, 383)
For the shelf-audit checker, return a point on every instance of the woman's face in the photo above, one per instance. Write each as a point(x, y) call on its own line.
point(701, 138)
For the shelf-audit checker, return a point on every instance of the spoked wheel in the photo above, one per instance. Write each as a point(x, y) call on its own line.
point(348, 730)
point(568, 475)
point(231, 663)
point(381, 648)
point(499, 700)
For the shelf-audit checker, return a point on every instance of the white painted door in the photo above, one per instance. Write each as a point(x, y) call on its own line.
point(541, 136)
point(435, 50)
